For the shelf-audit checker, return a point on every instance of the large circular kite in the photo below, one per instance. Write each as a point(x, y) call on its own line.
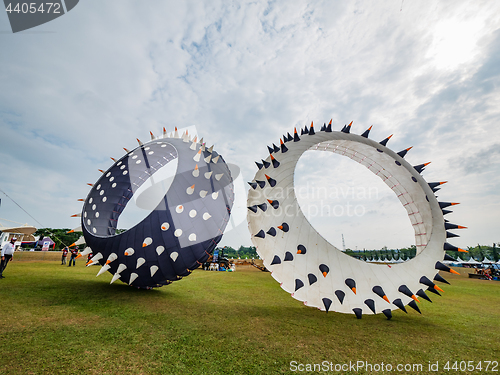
point(316, 272)
point(180, 232)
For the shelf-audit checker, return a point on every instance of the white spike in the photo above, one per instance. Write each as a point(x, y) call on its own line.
point(202, 147)
point(219, 176)
point(111, 258)
point(203, 193)
point(211, 149)
point(153, 270)
point(140, 262)
point(201, 141)
point(122, 267)
point(216, 159)
point(160, 250)
point(103, 269)
point(196, 158)
point(208, 158)
point(190, 190)
point(147, 241)
point(129, 252)
point(133, 276)
point(176, 134)
point(196, 171)
point(208, 175)
point(215, 194)
point(192, 237)
point(165, 135)
point(193, 146)
point(206, 216)
point(174, 255)
point(116, 276)
point(87, 251)
point(94, 259)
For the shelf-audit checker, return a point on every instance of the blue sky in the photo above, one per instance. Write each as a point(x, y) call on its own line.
point(76, 90)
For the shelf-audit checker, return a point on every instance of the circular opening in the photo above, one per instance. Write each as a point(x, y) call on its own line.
point(148, 196)
point(351, 207)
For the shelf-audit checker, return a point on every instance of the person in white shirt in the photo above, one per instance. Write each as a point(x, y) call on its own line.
point(7, 253)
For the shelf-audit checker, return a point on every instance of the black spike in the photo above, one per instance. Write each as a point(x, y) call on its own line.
point(384, 142)
point(283, 148)
point(387, 313)
point(379, 291)
point(324, 269)
point(306, 130)
point(261, 183)
point(263, 207)
point(425, 280)
point(298, 284)
point(284, 227)
point(358, 312)
point(367, 132)
point(433, 185)
point(343, 129)
point(276, 260)
point(419, 168)
point(371, 304)
point(445, 204)
point(288, 256)
point(289, 137)
point(403, 152)
point(340, 295)
point(312, 279)
point(296, 137)
point(271, 181)
point(422, 294)
point(270, 149)
point(301, 249)
point(274, 203)
point(327, 302)
point(350, 283)
point(450, 247)
point(261, 234)
point(323, 128)
point(253, 208)
point(271, 231)
point(439, 278)
point(452, 226)
point(329, 128)
point(414, 306)
point(447, 257)
point(253, 185)
point(275, 162)
point(265, 163)
point(276, 148)
point(259, 165)
point(440, 266)
point(405, 290)
point(400, 304)
point(446, 212)
point(451, 235)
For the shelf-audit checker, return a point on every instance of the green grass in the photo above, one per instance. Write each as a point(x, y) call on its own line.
point(56, 319)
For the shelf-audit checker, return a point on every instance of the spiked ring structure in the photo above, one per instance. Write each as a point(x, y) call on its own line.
point(314, 271)
point(179, 232)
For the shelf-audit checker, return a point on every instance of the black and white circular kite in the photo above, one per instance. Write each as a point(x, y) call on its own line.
point(179, 233)
point(316, 272)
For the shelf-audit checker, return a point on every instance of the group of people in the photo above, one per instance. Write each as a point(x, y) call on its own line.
point(74, 254)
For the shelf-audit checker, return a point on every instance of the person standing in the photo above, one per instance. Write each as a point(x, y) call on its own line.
point(64, 255)
point(74, 253)
point(7, 253)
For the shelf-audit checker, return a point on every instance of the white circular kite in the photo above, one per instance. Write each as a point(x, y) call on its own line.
point(316, 272)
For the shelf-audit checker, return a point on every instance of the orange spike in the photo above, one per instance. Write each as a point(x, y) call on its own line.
point(281, 227)
point(71, 231)
point(100, 170)
point(281, 141)
point(438, 288)
point(409, 148)
point(427, 163)
point(138, 140)
point(312, 124)
point(176, 128)
point(127, 151)
point(89, 262)
point(90, 184)
point(443, 182)
point(81, 200)
point(387, 299)
point(144, 244)
point(196, 167)
point(462, 250)
point(324, 273)
point(330, 122)
point(354, 290)
point(270, 201)
point(73, 244)
point(199, 151)
point(78, 256)
point(272, 157)
point(164, 130)
point(415, 298)
point(113, 159)
point(453, 271)
point(150, 132)
point(192, 186)
point(350, 124)
point(108, 262)
point(195, 139)
point(455, 203)
point(75, 215)
point(389, 137)
point(370, 128)
point(295, 130)
point(267, 176)
point(461, 227)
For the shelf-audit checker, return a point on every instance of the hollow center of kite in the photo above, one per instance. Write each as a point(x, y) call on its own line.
point(350, 206)
point(148, 196)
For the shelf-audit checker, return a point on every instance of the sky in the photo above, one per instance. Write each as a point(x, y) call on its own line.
point(76, 90)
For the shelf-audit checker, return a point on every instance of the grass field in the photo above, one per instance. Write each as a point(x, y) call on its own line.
point(61, 320)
